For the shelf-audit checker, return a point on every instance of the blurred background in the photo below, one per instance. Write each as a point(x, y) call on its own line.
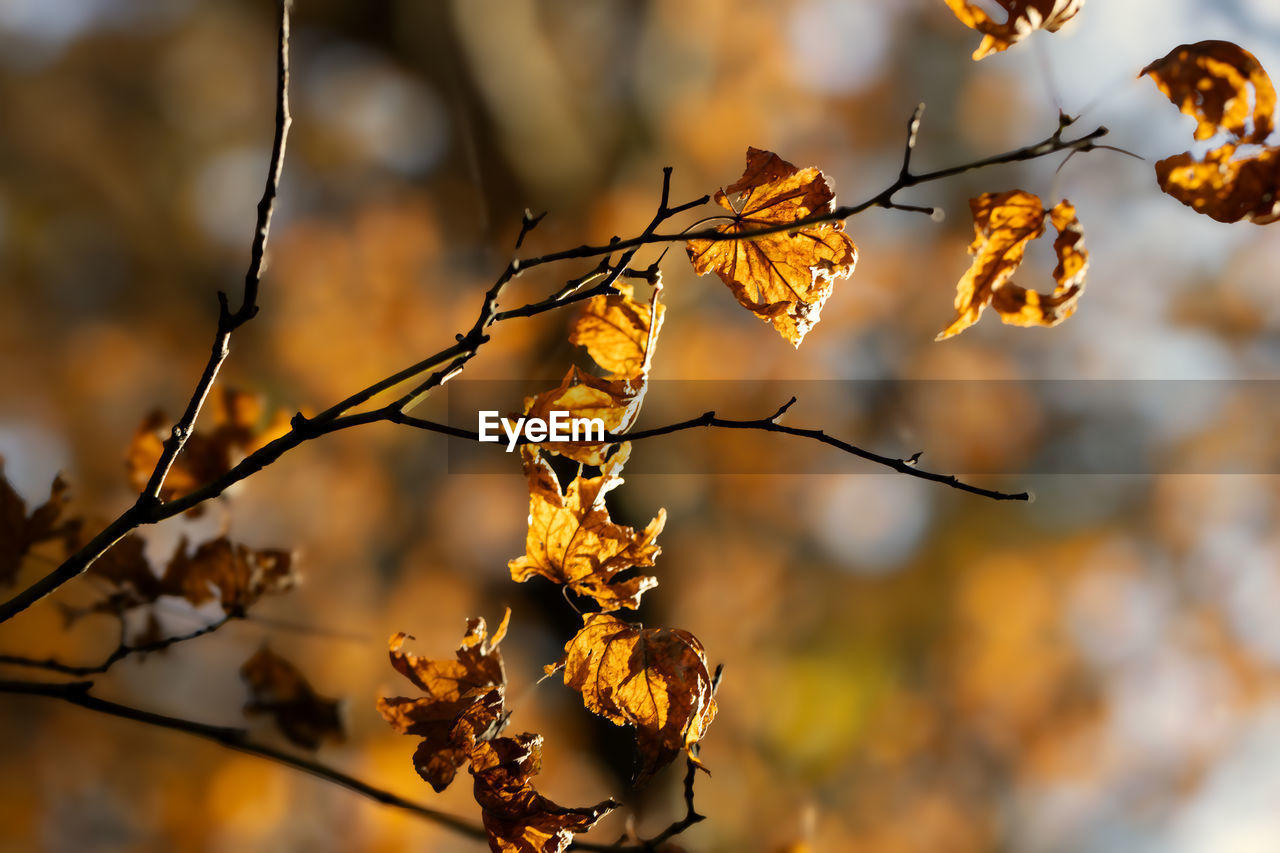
point(907, 668)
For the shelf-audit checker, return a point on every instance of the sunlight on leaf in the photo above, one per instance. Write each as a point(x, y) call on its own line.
point(1003, 224)
point(784, 277)
point(655, 679)
point(1023, 18)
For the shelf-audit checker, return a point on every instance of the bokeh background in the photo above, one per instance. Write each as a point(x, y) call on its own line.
point(907, 668)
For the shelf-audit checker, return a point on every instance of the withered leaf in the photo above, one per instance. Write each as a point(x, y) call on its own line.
point(573, 541)
point(19, 531)
point(1022, 18)
point(205, 456)
point(1221, 187)
point(616, 403)
point(518, 818)
point(784, 277)
point(654, 679)
point(234, 575)
point(618, 332)
point(463, 705)
point(276, 687)
point(1003, 224)
point(1210, 81)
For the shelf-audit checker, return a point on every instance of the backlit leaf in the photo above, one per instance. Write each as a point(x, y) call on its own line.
point(518, 818)
point(654, 679)
point(616, 403)
point(784, 277)
point(1210, 80)
point(573, 541)
point(1226, 189)
point(463, 706)
point(278, 688)
point(1022, 17)
point(618, 332)
point(1003, 224)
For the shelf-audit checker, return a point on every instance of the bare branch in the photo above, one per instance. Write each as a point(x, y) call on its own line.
point(77, 693)
point(121, 652)
point(765, 424)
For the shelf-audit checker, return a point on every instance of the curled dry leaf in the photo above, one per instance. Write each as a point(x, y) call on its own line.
point(573, 541)
point(1022, 17)
point(618, 332)
point(1003, 224)
point(234, 575)
point(784, 277)
point(463, 705)
point(20, 531)
point(518, 818)
point(616, 403)
point(276, 687)
point(206, 456)
point(1210, 81)
point(654, 679)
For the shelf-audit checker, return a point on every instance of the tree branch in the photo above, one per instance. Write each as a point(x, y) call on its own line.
point(144, 509)
point(766, 424)
point(121, 652)
point(77, 693)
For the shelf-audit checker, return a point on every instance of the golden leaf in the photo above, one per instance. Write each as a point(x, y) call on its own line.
point(784, 277)
point(1022, 18)
point(616, 403)
point(1003, 224)
point(1225, 189)
point(618, 332)
point(654, 679)
point(463, 706)
point(518, 818)
point(234, 575)
point(573, 541)
point(1208, 81)
point(279, 689)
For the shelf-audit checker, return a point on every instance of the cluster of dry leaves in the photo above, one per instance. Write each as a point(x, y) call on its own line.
point(655, 680)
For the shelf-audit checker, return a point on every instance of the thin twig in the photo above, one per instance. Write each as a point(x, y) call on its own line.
point(121, 652)
point(77, 693)
point(766, 424)
point(143, 510)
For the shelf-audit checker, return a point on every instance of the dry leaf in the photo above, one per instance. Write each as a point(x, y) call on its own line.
point(784, 277)
point(1003, 224)
point(1210, 81)
point(573, 541)
point(235, 576)
point(206, 456)
point(618, 332)
point(1225, 189)
point(19, 531)
point(615, 402)
point(1022, 18)
point(278, 688)
point(655, 679)
point(463, 706)
point(518, 818)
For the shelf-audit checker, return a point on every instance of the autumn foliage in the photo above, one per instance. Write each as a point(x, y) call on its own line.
point(777, 239)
